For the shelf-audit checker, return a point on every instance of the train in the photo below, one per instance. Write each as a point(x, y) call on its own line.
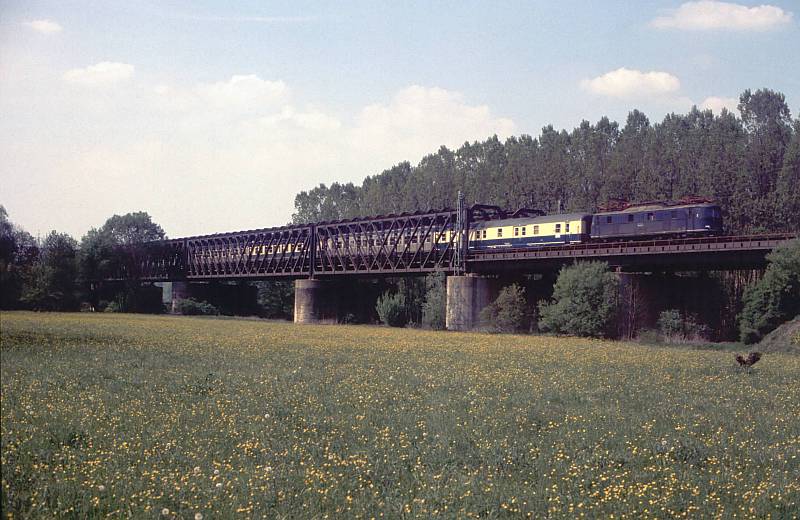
point(631, 222)
point(627, 222)
point(652, 220)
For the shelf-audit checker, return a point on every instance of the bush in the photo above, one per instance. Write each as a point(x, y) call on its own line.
point(192, 307)
point(584, 301)
point(391, 309)
point(507, 313)
point(670, 323)
point(434, 308)
point(776, 297)
point(113, 306)
point(675, 326)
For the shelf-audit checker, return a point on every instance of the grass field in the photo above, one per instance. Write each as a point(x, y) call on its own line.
point(209, 418)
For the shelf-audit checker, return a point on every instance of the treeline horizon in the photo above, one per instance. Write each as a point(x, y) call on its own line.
point(749, 164)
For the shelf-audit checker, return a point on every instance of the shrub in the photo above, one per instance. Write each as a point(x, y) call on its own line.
point(113, 306)
point(675, 326)
point(584, 301)
point(670, 323)
point(776, 297)
point(434, 308)
point(507, 313)
point(192, 307)
point(391, 309)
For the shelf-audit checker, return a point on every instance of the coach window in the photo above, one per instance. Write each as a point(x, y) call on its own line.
point(566, 227)
point(499, 232)
point(674, 214)
point(516, 231)
point(608, 220)
point(535, 230)
point(651, 216)
point(523, 230)
point(484, 233)
point(558, 228)
point(630, 218)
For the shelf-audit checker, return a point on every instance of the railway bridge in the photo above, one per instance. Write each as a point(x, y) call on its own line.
point(411, 244)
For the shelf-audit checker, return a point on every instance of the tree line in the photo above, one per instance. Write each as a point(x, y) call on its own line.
point(56, 273)
point(750, 165)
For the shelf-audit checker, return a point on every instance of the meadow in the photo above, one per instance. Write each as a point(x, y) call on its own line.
point(177, 417)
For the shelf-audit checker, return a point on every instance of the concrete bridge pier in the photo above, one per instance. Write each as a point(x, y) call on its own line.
point(180, 291)
point(467, 296)
point(315, 301)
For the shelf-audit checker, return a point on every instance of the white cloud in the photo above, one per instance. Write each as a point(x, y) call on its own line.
point(628, 83)
point(710, 14)
point(44, 26)
point(244, 93)
point(103, 73)
point(418, 120)
point(716, 104)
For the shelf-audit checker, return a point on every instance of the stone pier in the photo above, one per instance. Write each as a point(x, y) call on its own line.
point(314, 302)
point(180, 291)
point(467, 296)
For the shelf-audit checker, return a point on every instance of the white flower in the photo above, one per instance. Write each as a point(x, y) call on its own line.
point(219, 485)
point(216, 472)
point(197, 470)
point(101, 488)
point(198, 516)
point(165, 511)
point(266, 416)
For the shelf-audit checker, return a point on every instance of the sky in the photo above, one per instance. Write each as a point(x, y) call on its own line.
point(212, 116)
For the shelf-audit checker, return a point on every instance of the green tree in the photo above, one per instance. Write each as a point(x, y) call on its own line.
point(767, 120)
point(19, 253)
point(322, 203)
point(584, 301)
point(52, 283)
point(276, 299)
point(105, 250)
point(787, 193)
point(775, 298)
point(112, 249)
point(434, 308)
point(508, 313)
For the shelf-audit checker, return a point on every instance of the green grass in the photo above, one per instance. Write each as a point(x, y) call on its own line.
point(136, 415)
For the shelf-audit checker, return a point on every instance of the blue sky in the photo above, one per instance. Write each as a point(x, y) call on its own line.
point(211, 115)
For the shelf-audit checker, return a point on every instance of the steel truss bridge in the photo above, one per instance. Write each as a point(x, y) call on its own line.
point(408, 243)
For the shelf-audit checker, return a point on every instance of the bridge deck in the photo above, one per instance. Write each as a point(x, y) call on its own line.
point(226, 259)
point(725, 252)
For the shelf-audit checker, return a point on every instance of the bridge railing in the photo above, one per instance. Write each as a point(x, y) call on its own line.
point(284, 251)
point(409, 242)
